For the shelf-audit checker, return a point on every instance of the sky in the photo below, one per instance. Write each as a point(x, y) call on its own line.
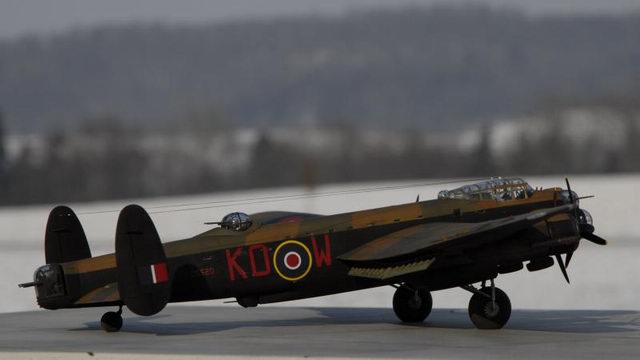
point(46, 17)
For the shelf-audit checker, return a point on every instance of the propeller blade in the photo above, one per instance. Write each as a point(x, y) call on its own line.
point(569, 189)
point(573, 201)
point(567, 259)
point(562, 268)
point(594, 238)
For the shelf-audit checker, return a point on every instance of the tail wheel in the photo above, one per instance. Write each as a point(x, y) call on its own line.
point(488, 313)
point(412, 306)
point(111, 322)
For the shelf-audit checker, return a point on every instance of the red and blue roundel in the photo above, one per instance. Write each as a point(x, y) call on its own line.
point(292, 260)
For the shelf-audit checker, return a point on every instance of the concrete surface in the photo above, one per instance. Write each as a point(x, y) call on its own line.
point(278, 332)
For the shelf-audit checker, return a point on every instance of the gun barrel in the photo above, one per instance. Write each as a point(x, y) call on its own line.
point(29, 284)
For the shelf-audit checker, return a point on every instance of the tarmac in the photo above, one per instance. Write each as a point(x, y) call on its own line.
point(196, 332)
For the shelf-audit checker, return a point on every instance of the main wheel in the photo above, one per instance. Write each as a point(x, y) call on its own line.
point(484, 314)
point(111, 321)
point(412, 306)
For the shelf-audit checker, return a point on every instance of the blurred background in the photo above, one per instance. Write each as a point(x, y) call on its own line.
point(102, 100)
point(151, 101)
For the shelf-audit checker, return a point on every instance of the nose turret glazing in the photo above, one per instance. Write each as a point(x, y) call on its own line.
point(584, 217)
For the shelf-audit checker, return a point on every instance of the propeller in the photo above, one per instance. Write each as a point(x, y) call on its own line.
point(585, 228)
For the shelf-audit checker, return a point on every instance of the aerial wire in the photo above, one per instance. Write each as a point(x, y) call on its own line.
point(161, 209)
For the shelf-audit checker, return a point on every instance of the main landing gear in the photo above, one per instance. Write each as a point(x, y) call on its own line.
point(412, 305)
point(112, 321)
point(489, 307)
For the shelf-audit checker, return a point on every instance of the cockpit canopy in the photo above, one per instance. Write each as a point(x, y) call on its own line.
point(497, 188)
point(236, 221)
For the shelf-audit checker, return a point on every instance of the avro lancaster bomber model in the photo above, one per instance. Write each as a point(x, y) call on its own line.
point(467, 236)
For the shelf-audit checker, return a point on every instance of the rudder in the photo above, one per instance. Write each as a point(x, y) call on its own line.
point(143, 273)
point(64, 238)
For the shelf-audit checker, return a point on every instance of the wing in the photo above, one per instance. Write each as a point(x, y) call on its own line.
point(410, 247)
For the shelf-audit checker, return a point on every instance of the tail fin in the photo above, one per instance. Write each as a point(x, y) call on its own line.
point(143, 274)
point(64, 239)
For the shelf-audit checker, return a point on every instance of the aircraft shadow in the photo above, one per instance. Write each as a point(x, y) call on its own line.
point(561, 321)
point(148, 325)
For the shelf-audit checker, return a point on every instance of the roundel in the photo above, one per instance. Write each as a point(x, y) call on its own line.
point(292, 260)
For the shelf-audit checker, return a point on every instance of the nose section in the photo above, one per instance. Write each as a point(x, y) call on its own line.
point(584, 217)
point(585, 221)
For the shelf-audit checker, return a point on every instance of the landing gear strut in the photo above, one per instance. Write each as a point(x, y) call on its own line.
point(489, 307)
point(112, 321)
point(412, 305)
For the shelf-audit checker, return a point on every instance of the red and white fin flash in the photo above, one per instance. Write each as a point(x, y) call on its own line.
point(159, 273)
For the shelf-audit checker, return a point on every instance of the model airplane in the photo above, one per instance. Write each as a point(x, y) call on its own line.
point(468, 235)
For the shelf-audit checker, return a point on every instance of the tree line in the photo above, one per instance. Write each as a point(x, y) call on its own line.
point(110, 159)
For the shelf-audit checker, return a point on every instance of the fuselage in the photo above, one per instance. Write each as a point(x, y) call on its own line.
point(287, 256)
